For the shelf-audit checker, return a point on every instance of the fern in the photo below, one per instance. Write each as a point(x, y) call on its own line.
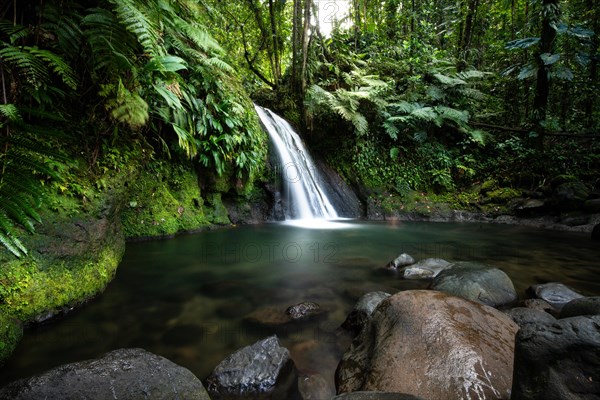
point(137, 20)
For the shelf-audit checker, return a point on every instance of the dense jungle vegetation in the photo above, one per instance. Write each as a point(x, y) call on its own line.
point(432, 96)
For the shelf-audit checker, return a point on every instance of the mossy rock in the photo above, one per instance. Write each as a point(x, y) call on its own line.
point(488, 186)
point(11, 332)
point(503, 195)
point(561, 179)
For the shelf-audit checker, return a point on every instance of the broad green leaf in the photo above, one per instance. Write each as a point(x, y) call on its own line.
point(549, 59)
point(522, 43)
point(528, 71)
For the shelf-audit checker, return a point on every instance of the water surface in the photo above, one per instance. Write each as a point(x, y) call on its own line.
point(186, 298)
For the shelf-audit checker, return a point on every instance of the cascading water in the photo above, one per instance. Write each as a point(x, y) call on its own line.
point(301, 179)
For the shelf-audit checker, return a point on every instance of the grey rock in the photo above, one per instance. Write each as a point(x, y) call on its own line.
point(583, 306)
point(541, 305)
point(263, 370)
point(376, 396)
point(574, 218)
point(569, 196)
point(401, 261)
point(363, 309)
point(128, 374)
point(428, 268)
point(523, 316)
point(556, 294)
point(476, 282)
point(558, 360)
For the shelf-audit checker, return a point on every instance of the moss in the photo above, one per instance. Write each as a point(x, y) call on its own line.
point(218, 212)
point(164, 200)
point(503, 195)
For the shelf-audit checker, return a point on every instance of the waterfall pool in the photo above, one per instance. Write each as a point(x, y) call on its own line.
point(187, 298)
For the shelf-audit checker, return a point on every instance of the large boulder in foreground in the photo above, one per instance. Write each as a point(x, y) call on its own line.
point(126, 374)
point(434, 346)
point(263, 370)
point(476, 282)
point(558, 360)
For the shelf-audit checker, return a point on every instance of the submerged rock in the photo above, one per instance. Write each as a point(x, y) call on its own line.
point(401, 261)
point(128, 374)
point(476, 282)
point(362, 311)
point(431, 345)
point(558, 360)
point(556, 294)
point(263, 370)
point(425, 269)
point(596, 233)
point(303, 310)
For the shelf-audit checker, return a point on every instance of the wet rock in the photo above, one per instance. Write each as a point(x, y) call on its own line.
point(569, 196)
point(431, 345)
point(128, 374)
point(362, 311)
point(558, 360)
point(425, 269)
point(401, 261)
point(376, 396)
point(476, 282)
point(583, 306)
point(531, 208)
point(303, 310)
point(523, 316)
point(263, 370)
point(540, 305)
point(556, 294)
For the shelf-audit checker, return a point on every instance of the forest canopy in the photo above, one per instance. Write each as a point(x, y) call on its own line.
point(397, 95)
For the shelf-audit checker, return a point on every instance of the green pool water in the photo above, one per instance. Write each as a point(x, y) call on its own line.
point(187, 298)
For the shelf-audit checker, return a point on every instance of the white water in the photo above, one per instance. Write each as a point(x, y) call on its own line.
point(307, 199)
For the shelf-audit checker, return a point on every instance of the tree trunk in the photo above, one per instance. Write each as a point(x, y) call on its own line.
point(593, 77)
point(275, 41)
point(468, 34)
point(550, 14)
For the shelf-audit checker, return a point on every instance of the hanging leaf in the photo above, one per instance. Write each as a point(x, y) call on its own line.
point(528, 71)
point(562, 73)
point(549, 59)
point(581, 32)
point(522, 43)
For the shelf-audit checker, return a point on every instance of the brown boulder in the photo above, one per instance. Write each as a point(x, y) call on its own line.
point(432, 345)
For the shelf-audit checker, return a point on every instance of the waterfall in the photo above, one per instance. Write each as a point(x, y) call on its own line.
point(301, 180)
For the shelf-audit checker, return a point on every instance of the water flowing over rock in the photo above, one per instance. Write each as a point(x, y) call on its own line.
point(126, 374)
point(434, 346)
point(307, 198)
point(263, 370)
point(476, 282)
point(425, 269)
point(558, 360)
point(556, 294)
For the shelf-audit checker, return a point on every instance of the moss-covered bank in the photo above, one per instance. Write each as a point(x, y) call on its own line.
point(75, 252)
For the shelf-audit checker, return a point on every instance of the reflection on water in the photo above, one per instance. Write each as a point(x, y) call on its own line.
point(186, 298)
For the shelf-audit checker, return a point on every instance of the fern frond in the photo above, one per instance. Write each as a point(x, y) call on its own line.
point(10, 112)
point(58, 65)
point(141, 25)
